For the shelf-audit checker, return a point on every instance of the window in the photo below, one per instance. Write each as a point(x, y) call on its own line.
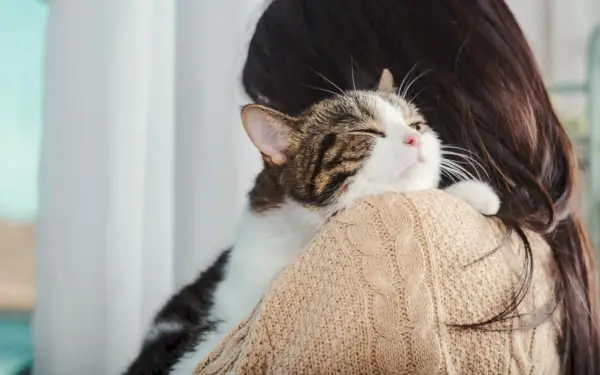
point(22, 37)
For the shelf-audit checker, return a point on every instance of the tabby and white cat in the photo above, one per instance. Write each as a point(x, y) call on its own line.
point(338, 151)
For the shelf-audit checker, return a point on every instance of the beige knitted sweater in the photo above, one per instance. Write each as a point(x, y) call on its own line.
point(379, 287)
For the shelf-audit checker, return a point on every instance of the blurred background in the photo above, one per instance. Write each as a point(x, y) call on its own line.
point(123, 165)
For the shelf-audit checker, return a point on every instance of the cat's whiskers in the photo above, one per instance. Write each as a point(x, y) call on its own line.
point(413, 98)
point(454, 177)
point(459, 148)
point(464, 160)
point(401, 85)
point(463, 151)
point(352, 71)
point(328, 80)
point(459, 167)
point(449, 173)
point(322, 89)
point(455, 170)
point(465, 156)
point(404, 92)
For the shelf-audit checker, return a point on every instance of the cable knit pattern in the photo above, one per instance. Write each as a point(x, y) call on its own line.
point(380, 289)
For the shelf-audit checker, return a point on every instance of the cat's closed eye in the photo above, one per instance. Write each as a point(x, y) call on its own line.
point(370, 131)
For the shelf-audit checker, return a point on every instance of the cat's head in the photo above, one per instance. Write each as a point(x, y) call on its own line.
point(341, 149)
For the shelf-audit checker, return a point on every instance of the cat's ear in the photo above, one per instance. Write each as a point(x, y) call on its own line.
point(386, 81)
point(271, 132)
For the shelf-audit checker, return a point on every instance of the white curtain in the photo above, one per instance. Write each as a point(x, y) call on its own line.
point(144, 167)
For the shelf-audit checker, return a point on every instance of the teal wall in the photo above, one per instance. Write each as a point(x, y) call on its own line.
point(22, 28)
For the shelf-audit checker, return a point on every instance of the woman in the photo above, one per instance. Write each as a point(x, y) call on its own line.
point(475, 78)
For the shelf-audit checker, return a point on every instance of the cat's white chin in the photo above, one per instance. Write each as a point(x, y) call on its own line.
point(424, 173)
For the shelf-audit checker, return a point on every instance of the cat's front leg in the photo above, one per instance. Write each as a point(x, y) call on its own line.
point(478, 194)
point(248, 275)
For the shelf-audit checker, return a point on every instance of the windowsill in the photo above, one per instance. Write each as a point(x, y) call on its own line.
point(17, 290)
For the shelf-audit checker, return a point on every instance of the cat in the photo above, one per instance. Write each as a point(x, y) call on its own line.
point(342, 149)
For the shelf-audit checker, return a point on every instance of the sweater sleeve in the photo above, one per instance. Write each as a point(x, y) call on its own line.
point(376, 293)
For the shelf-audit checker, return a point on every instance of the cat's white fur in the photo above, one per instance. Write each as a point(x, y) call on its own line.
point(160, 328)
point(267, 242)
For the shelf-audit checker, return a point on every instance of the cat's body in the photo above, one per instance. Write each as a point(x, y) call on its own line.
point(339, 151)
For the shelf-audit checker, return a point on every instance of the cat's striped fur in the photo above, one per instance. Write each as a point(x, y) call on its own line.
point(333, 140)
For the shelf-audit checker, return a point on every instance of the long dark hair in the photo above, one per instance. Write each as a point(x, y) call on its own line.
point(476, 80)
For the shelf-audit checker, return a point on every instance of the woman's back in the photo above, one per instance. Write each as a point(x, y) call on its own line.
point(381, 289)
point(467, 65)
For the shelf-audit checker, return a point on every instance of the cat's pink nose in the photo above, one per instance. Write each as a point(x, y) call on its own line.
point(412, 140)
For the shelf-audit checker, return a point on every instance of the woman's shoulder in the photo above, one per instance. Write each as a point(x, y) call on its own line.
point(379, 290)
point(441, 223)
point(459, 250)
point(451, 266)
point(431, 208)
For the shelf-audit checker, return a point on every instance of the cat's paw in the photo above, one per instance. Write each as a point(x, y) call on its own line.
point(478, 194)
